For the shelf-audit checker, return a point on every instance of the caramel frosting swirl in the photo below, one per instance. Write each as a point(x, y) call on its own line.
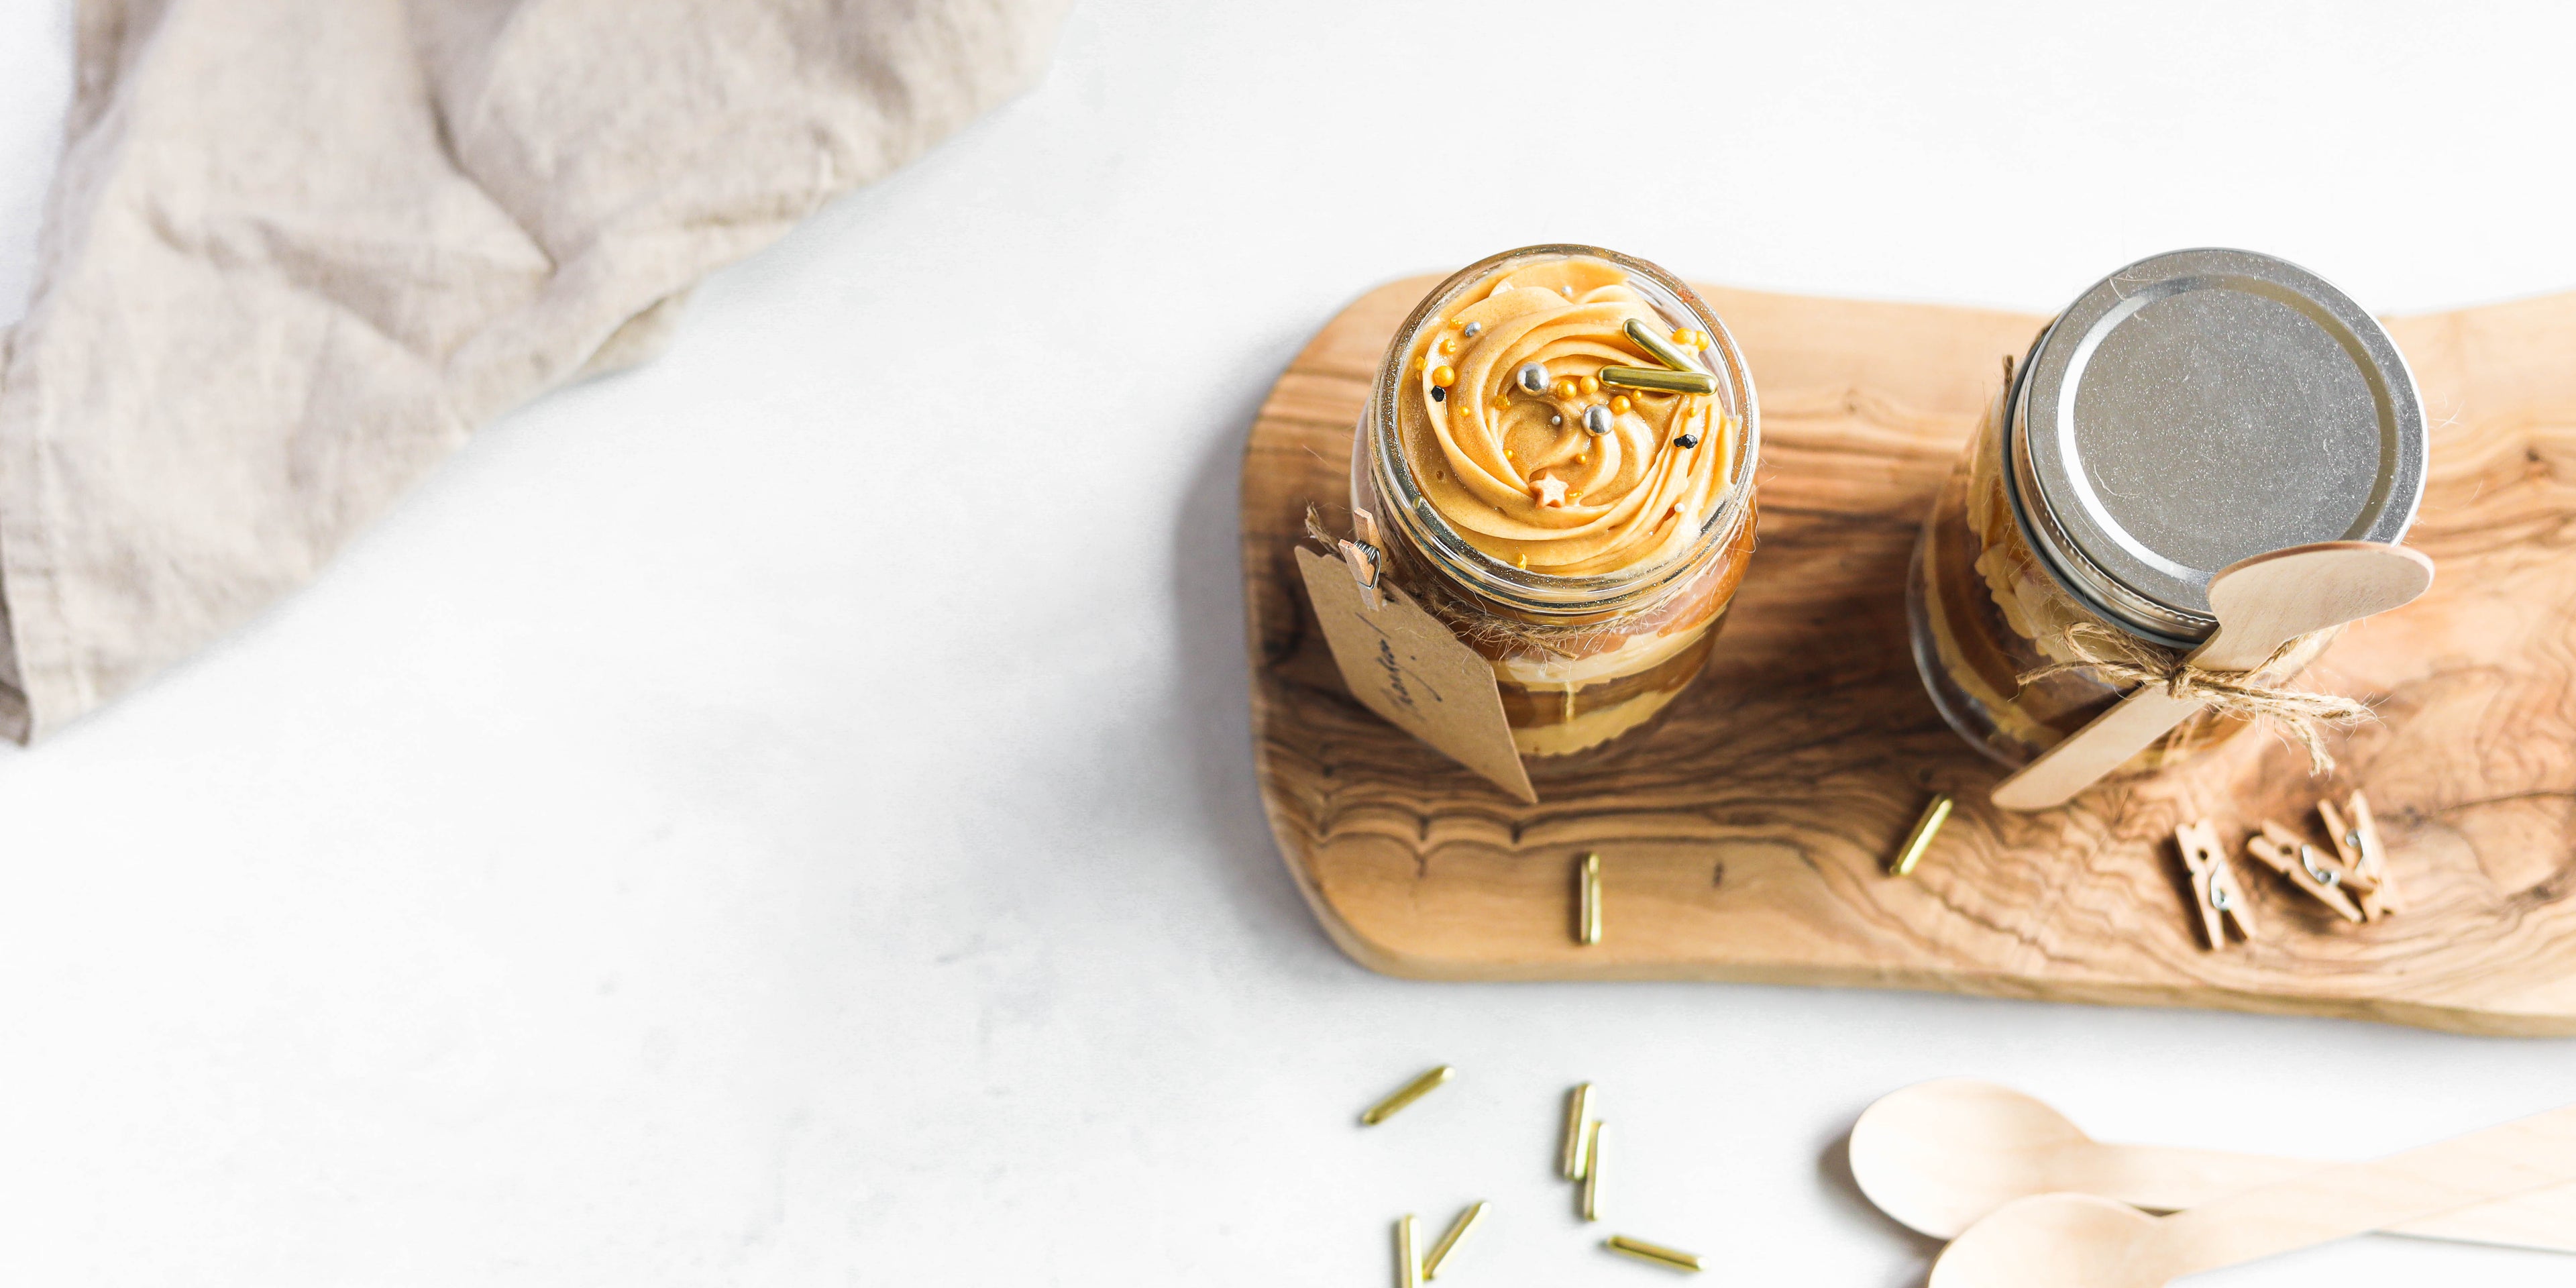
point(1510, 434)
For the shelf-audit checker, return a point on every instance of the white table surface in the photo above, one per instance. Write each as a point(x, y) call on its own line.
point(749, 821)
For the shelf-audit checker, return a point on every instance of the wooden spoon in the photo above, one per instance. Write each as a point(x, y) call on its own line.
point(2057, 1240)
point(1938, 1156)
point(2261, 603)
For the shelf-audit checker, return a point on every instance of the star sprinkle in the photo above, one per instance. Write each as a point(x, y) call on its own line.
point(1549, 491)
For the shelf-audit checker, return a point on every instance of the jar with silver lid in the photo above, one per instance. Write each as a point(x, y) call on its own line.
point(2190, 410)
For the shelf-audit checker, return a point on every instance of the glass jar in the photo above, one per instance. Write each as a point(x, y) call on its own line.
point(2191, 410)
point(1518, 388)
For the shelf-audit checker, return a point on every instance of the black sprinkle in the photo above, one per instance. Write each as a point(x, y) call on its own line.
point(1687, 440)
point(1439, 394)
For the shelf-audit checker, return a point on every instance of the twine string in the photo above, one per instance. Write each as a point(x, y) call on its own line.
point(2120, 658)
point(1476, 624)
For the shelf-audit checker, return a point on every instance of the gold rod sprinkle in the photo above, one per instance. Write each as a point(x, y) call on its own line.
point(1457, 1230)
point(1671, 382)
point(1592, 1172)
point(1654, 1252)
point(1405, 1095)
point(1578, 1114)
point(1920, 839)
point(1408, 1268)
point(1657, 345)
point(1587, 879)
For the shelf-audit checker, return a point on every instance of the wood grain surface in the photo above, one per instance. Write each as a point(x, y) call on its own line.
point(1744, 838)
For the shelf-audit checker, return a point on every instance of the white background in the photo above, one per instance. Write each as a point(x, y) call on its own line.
point(783, 816)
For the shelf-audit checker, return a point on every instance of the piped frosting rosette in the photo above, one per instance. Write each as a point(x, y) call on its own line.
point(1512, 436)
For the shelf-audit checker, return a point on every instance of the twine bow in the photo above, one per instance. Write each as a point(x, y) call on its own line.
point(2119, 658)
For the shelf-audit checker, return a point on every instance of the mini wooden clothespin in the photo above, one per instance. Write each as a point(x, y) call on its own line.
point(1366, 556)
point(2356, 842)
point(2213, 884)
point(2325, 879)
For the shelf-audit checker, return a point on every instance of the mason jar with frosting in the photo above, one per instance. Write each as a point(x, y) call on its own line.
point(1558, 456)
point(2191, 410)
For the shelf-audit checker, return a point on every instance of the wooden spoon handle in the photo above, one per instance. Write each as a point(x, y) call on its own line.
point(2163, 1179)
point(2543, 1219)
point(2094, 750)
point(2337, 1202)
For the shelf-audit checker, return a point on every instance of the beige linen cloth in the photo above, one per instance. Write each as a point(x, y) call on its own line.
point(297, 250)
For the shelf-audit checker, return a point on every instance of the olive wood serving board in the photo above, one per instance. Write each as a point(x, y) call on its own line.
point(1745, 837)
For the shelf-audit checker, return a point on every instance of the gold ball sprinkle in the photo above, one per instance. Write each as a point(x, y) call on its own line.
point(1591, 384)
point(1448, 345)
point(1443, 377)
point(1566, 388)
point(1621, 404)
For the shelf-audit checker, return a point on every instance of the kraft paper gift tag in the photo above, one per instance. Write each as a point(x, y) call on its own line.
point(1403, 664)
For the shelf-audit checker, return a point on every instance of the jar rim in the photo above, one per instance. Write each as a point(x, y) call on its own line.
point(1541, 594)
point(2080, 525)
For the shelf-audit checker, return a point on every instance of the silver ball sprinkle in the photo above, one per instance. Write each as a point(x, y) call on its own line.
point(1556, 420)
point(1596, 422)
point(1474, 329)
point(1532, 377)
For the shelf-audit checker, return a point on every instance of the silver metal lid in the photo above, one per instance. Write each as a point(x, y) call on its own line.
point(2199, 407)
